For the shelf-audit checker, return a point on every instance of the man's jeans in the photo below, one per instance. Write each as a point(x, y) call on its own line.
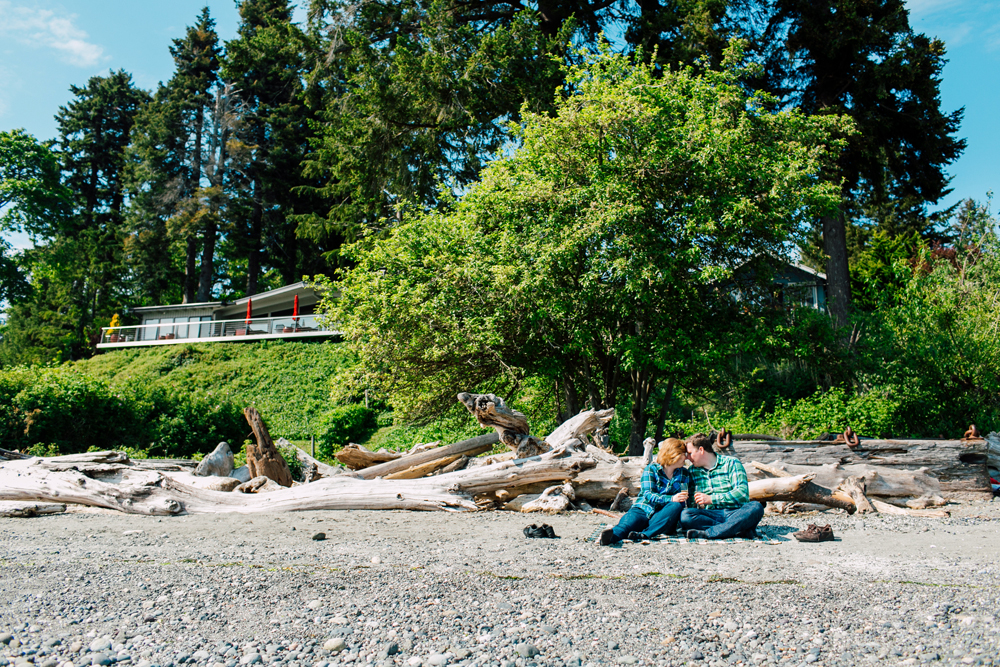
point(720, 524)
point(663, 520)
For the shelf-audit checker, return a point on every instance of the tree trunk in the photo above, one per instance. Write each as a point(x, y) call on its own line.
point(838, 275)
point(190, 267)
point(207, 278)
point(357, 457)
point(661, 418)
point(643, 383)
point(471, 447)
point(256, 231)
point(263, 459)
point(799, 489)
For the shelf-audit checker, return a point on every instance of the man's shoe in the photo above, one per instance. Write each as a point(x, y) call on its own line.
point(697, 535)
point(825, 533)
point(634, 536)
point(749, 534)
point(549, 531)
point(607, 537)
point(529, 531)
point(812, 533)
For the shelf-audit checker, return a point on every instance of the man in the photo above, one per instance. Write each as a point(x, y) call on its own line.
point(722, 496)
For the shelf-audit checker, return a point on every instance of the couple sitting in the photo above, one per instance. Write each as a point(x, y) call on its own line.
point(721, 504)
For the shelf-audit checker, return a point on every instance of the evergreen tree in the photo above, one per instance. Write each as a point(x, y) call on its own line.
point(860, 57)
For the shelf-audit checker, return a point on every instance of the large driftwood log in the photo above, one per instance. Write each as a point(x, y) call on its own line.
point(572, 433)
point(150, 492)
point(511, 426)
point(313, 469)
point(855, 488)
point(263, 458)
point(800, 489)
point(886, 508)
point(879, 481)
point(470, 447)
point(959, 466)
point(357, 457)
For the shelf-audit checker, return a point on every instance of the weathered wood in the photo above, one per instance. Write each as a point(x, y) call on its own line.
point(312, 469)
point(886, 508)
point(511, 426)
point(855, 488)
point(959, 466)
point(648, 446)
point(12, 454)
point(553, 499)
point(800, 489)
point(219, 463)
point(573, 433)
point(993, 451)
point(879, 481)
point(357, 457)
point(622, 502)
point(263, 458)
point(470, 447)
point(150, 492)
point(424, 468)
point(26, 509)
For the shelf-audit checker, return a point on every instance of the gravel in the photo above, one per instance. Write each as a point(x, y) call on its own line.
point(395, 589)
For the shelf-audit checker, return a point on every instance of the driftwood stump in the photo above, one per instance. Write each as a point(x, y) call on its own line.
point(511, 426)
point(855, 488)
point(263, 459)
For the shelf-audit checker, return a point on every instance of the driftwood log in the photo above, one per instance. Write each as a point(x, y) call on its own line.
point(263, 458)
point(29, 508)
point(471, 447)
point(958, 465)
point(879, 481)
point(800, 489)
point(357, 457)
point(137, 491)
point(511, 426)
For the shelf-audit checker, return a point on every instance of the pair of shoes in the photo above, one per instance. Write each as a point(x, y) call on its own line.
point(635, 536)
point(814, 533)
point(607, 537)
point(545, 530)
point(697, 535)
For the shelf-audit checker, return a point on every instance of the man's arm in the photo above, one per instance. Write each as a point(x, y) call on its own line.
point(740, 493)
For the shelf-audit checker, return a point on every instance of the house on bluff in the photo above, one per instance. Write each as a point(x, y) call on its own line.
point(286, 312)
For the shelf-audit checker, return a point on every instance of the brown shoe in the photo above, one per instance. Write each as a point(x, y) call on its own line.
point(825, 533)
point(810, 534)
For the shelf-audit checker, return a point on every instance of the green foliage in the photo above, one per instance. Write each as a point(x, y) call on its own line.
point(593, 253)
point(344, 424)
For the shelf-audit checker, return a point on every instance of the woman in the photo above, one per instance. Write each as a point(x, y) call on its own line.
point(662, 495)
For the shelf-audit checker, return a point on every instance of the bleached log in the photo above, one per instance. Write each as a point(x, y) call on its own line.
point(313, 469)
point(25, 509)
point(648, 445)
point(572, 433)
point(357, 457)
point(553, 499)
point(855, 488)
point(470, 447)
point(210, 483)
point(921, 503)
point(801, 489)
point(886, 508)
point(879, 481)
point(958, 465)
point(511, 426)
point(219, 463)
point(424, 468)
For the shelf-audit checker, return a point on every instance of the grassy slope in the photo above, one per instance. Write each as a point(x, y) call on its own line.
point(288, 382)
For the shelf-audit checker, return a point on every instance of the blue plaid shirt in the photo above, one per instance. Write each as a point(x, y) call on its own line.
point(656, 489)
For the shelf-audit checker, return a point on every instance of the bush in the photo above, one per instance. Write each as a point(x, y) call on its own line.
point(344, 424)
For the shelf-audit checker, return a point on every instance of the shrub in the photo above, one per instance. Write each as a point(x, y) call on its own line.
point(343, 424)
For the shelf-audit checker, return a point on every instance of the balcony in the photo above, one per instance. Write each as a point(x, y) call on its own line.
point(214, 331)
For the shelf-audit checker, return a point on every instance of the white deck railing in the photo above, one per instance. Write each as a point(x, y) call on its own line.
point(214, 330)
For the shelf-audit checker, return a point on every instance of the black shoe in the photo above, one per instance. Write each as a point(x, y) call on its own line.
point(534, 531)
point(697, 534)
point(635, 536)
point(549, 531)
point(607, 537)
point(749, 534)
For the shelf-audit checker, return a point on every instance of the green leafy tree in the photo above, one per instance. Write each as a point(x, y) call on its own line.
point(600, 252)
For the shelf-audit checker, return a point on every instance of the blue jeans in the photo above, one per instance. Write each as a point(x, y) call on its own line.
point(720, 524)
point(663, 520)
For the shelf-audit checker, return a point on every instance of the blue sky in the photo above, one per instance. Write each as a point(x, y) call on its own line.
point(48, 45)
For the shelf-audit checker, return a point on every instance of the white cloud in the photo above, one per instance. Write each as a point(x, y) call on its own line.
point(42, 27)
point(924, 8)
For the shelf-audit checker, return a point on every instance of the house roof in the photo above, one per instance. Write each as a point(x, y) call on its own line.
point(178, 306)
point(261, 298)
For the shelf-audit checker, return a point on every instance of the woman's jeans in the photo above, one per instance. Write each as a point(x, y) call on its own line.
point(663, 521)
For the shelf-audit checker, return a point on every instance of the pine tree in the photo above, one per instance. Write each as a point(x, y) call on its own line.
point(860, 57)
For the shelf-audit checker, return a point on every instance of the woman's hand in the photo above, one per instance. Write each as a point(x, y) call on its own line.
point(680, 497)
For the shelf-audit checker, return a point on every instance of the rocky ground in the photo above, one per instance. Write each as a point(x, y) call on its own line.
point(434, 589)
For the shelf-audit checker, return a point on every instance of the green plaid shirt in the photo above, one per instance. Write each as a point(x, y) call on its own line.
point(726, 483)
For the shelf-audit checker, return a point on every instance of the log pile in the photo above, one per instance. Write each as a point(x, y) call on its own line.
point(566, 470)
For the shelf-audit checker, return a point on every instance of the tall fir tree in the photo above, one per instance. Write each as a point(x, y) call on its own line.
point(862, 58)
